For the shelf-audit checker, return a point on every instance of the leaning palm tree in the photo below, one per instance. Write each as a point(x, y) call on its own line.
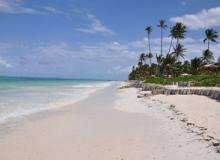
point(162, 25)
point(211, 36)
point(178, 51)
point(177, 32)
point(172, 35)
point(149, 30)
point(207, 56)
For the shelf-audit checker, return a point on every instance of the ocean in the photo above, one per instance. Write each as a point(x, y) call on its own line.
point(21, 97)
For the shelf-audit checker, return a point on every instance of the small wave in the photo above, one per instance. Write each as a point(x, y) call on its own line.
point(67, 98)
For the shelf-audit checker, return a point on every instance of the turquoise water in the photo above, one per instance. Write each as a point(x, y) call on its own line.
point(24, 96)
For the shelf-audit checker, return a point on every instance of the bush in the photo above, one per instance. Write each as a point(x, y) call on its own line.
point(198, 80)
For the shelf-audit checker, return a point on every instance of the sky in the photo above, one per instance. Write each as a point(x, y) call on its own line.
point(94, 39)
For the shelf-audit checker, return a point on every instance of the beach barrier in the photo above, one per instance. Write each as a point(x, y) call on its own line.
point(167, 90)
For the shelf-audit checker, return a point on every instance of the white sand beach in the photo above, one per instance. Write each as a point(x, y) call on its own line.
point(200, 110)
point(110, 124)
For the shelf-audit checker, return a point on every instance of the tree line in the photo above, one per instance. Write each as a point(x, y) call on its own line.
point(172, 62)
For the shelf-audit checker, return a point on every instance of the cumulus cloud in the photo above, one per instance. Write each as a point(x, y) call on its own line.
point(203, 19)
point(4, 63)
point(15, 6)
point(96, 27)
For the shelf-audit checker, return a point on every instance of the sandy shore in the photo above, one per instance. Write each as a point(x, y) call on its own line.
point(200, 110)
point(110, 124)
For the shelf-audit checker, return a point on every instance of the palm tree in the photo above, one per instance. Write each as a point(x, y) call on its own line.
point(172, 35)
point(162, 26)
point(168, 60)
point(149, 30)
point(149, 56)
point(196, 63)
point(142, 58)
point(178, 31)
point(178, 51)
point(211, 36)
point(186, 66)
point(207, 56)
point(159, 59)
point(140, 64)
point(168, 63)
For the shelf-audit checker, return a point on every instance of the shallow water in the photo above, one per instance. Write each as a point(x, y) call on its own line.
point(20, 97)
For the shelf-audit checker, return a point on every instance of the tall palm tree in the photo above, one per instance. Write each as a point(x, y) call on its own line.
point(207, 56)
point(211, 36)
point(162, 25)
point(149, 30)
point(178, 51)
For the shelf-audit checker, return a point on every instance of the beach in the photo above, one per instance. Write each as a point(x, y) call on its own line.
point(109, 124)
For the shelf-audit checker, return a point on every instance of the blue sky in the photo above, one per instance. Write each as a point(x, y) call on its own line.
point(94, 39)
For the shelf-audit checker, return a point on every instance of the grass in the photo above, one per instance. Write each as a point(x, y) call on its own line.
point(198, 80)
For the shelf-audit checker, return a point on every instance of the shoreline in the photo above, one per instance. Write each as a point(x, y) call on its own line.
point(104, 126)
point(11, 122)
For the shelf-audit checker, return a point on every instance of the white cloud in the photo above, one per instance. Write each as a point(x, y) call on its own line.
point(5, 47)
point(117, 52)
point(4, 63)
point(194, 46)
point(120, 70)
point(113, 59)
point(116, 43)
point(96, 26)
point(15, 6)
point(203, 19)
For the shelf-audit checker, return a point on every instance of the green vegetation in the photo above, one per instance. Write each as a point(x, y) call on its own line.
point(198, 80)
point(203, 70)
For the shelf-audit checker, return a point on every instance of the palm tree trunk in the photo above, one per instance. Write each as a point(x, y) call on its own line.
point(171, 43)
point(161, 41)
point(177, 41)
point(208, 44)
point(149, 42)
